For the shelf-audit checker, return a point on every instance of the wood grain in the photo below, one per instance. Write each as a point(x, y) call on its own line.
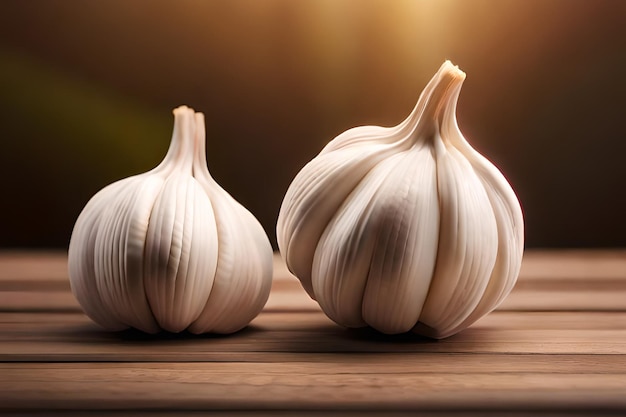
point(292, 385)
point(557, 346)
point(275, 336)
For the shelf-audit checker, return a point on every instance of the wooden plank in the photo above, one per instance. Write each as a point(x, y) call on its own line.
point(313, 413)
point(569, 265)
point(282, 298)
point(298, 300)
point(283, 335)
point(565, 300)
point(295, 299)
point(43, 301)
point(557, 345)
point(309, 413)
point(400, 364)
point(288, 386)
point(39, 283)
point(16, 266)
point(574, 264)
point(596, 412)
point(538, 320)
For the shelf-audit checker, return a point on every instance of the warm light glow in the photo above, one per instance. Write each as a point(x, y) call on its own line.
point(280, 78)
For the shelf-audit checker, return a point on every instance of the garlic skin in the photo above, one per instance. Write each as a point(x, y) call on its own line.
point(404, 228)
point(169, 249)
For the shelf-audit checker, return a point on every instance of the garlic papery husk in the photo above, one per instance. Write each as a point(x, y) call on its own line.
point(405, 228)
point(170, 249)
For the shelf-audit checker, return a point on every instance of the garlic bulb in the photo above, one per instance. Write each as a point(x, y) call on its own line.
point(405, 228)
point(170, 249)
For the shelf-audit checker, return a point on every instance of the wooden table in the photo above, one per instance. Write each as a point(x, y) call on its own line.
point(557, 345)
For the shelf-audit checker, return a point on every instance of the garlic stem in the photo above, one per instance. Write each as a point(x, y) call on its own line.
point(426, 118)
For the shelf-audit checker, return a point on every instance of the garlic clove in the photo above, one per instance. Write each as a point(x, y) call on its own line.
point(146, 251)
point(468, 232)
point(185, 230)
point(245, 257)
point(509, 223)
point(404, 228)
point(85, 232)
point(406, 246)
point(376, 223)
point(340, 166)
point(120, 215)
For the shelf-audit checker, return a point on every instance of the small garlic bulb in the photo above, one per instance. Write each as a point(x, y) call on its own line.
point(405, 228)
point(170, 249)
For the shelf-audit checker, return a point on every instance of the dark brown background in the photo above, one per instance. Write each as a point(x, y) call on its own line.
point(87, 89)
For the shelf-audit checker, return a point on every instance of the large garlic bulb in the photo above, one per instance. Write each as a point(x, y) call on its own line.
point(170, 249)
point(404, 228)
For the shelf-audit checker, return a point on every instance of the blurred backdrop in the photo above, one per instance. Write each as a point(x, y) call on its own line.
point(87, 88)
